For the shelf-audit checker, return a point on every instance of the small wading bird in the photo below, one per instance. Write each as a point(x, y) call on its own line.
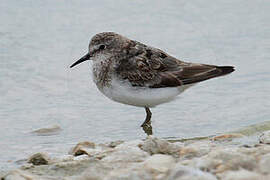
point(133, 73)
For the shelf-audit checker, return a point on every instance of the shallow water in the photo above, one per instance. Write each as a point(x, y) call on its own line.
point(40, 39)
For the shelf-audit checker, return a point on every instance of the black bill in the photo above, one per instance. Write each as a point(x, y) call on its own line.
point(84, 58)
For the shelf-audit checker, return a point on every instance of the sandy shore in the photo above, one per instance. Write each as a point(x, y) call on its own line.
point(241, 155)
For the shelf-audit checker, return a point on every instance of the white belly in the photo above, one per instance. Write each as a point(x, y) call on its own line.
point(124, 93)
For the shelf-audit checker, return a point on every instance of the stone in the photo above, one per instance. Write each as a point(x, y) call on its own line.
point(114, 143)
point(196, 149)
point(18, 175)
point(47, 131)
point(67, 168)
point(153, 145)
point(2, 173)
point(125, 154)
point(127, 174)
point(188, 152)
point(152, 158)
point(180, 172)
point(256, 151)
point(265, 137)
point(27, 166)
point(97, 171)
point(224, 159)
point(227, 137)
point(81, 148)
point(39, 159)
point(242, 175)
point(63, 158)
point(264, 164)
point(159, 163)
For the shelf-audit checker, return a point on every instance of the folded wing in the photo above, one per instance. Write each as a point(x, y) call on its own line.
point(149, 67)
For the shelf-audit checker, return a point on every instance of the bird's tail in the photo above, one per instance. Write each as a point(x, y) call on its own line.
point(225, 70)
point(203, 72)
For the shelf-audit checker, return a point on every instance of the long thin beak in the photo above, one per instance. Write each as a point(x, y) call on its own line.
point(84, 58)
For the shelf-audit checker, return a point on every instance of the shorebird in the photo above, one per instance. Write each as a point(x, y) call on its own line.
point(130, 72)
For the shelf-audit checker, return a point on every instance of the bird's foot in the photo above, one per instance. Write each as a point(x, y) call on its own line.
point(147, 128)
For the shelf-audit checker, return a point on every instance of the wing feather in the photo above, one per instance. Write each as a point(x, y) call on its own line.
point(150, 67)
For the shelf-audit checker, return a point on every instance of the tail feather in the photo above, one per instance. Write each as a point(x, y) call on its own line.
point(209, 74)
point(225, 69)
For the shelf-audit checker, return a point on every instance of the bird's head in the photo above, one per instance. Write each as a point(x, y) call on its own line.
point(103, 44)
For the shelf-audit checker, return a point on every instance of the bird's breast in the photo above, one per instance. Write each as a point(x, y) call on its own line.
point(102, 73)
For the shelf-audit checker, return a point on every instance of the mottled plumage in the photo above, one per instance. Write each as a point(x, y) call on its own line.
point(132, 73)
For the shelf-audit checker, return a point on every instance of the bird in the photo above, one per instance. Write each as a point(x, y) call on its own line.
point(132, 73)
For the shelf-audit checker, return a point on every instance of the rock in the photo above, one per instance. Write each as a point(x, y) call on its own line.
point(63, 158)
point(159, 163)
point(59, 170)
point(224, 159)
point(153, 145)
point(81, 148)
point(18, 175)
point(227, 137)
point(125, 153)
point(114, 143)
point(265, 138)
point(264, 164)
point(96, 171)
point(188, 152)
point(47, 131)
point(196, 149)
point(27, 166)
point(127, 174)
point(152, 158)
point(256, 151)
point(180, 172)
point(2, 173)
point(242, 175)
point(39, 159)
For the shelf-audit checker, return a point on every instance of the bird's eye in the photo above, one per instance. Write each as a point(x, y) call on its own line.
point(101, 47)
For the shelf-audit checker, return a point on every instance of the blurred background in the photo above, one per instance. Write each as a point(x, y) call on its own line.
point(40, 39)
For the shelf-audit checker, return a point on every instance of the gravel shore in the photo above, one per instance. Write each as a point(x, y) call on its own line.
point(231, 156)
point(238, 155)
